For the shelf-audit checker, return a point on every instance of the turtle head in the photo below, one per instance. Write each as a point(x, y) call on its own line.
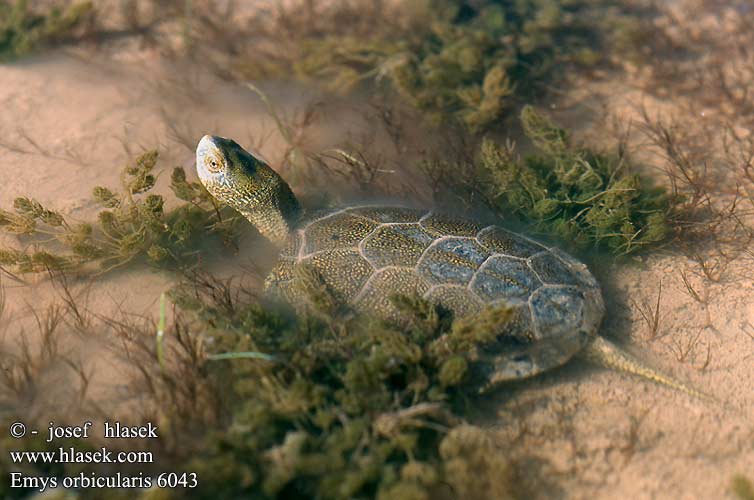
point(223, 166)
point(239, 179)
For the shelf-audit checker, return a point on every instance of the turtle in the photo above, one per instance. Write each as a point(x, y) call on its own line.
point(366, 254)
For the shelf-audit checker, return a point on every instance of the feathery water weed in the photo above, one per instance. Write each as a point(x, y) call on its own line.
point(130, 224)
point(23, 29)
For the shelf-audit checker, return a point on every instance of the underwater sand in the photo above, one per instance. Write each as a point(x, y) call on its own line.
point(580, 432)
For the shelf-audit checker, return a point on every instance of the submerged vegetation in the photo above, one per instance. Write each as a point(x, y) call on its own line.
point(579, 195)
point(469, 62)
point(131, 223)
point(348, 408)
point(336, 407)
point(23, 29)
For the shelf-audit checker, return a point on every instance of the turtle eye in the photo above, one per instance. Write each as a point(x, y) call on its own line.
point(213, 164)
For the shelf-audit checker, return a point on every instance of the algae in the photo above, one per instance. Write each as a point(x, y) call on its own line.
point(582, 196)
point(350, 407)
point(336, 407)
point(132, 223)
point(469, 62)
point(23, 29)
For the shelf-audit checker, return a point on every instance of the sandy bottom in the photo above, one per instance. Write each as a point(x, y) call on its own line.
point(71, 120)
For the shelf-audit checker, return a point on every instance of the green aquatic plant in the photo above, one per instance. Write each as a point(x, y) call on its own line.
point(131, 223)
point(468, 61)
point(23, 29)
point(282, 405)
point(577, 194)
point(340, 407)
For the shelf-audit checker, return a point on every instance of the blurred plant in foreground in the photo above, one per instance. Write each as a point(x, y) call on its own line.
point(23, 29)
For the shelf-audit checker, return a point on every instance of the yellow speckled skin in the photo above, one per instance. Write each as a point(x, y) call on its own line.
point(367, 254)
point(235, 176)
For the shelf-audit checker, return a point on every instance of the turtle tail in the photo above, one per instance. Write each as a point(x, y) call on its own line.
point(603, 352)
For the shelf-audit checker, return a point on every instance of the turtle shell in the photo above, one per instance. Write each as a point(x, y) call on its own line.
point(368, 254)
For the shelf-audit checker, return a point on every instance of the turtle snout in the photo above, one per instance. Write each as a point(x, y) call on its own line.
point(206, 143)
point(205, 154)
